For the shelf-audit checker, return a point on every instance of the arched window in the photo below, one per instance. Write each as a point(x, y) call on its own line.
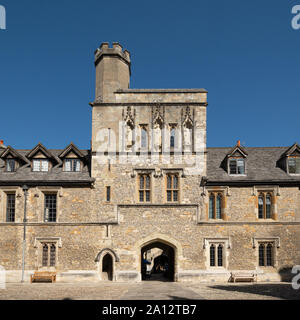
point(218, 206)
point(269, 254)
point(144, 137)
point(52, 255)
point(220, 255)
point(264, 205)
point(216, 255)
point(145, 188)
point(211, 206)
point(261, 255)
point(266, 254)
point(172, 137)
point(215, 205)
point(212, 252)
point(45, 256)
point(268, 206)
point(172, 187)
point(261, 206)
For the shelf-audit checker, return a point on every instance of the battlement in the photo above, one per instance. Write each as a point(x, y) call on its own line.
point(115, 50)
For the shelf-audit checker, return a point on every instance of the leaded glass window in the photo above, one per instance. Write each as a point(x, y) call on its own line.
point(72, 165)
point(212, 251)
point(265, 205)
point(50, 207)
point(215, 205)
point(172, 188)
point(266, 254)
point(40, 165)
point(144, 188)
point(237, 166)
point(10, 165)
point(10, 207)
point(294, 165)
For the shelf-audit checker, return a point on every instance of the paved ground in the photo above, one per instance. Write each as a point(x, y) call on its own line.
point(147, 290)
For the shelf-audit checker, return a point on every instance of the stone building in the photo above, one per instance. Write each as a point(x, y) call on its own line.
point(149, 184)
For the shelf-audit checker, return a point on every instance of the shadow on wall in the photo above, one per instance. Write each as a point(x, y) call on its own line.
point(269, 291)
point(286, 274)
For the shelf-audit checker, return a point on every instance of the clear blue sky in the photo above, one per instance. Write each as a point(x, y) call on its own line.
point(245, 53)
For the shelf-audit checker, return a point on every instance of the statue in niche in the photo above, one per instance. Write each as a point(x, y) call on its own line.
point(129, 136)
point(188, 135)
point(157, 137)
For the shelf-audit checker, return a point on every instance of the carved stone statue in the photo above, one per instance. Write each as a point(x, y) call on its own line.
point(157, 137)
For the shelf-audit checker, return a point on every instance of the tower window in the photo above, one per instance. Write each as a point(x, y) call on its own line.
point(144, 137)
point(144, 188)
point(172, 188)
point(108, 196)
point(172, 136)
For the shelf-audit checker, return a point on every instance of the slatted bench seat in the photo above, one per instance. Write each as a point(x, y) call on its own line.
point(243, 276)
point(43, 276)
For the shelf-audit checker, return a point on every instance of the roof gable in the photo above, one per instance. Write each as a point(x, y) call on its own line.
point(71, 148)
point(237, 151)
point(38, 150)
point(10, 152)
point(294, 150)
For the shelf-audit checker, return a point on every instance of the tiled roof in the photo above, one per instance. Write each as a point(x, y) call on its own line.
point(55, 175)
point(261, 165)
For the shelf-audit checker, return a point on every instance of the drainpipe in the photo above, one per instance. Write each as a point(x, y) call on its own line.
point(25, 190)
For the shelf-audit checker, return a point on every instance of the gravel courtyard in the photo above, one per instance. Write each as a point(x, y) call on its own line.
point(149, 290)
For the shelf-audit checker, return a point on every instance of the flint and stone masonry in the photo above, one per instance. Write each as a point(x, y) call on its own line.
point(208, 220)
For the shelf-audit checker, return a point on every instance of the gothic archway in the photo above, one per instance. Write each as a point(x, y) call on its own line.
point(106, 260)
point(158, 261)
point(107, 267)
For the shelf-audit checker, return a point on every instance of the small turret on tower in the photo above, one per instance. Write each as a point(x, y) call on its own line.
point(112, 71)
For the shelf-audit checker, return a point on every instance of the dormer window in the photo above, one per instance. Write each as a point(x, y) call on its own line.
point(294, 165)
point(237, 166)
point(72, 165)
point(40, 165)
point(10, 165)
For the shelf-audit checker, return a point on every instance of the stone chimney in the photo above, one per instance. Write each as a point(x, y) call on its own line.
point(112, 71)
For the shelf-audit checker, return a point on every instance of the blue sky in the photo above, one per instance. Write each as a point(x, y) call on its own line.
point(245, 53)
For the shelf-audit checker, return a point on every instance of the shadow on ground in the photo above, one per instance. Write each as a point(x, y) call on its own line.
point(282, 291)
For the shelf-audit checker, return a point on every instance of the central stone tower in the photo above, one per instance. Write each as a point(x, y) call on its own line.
point(112, 71)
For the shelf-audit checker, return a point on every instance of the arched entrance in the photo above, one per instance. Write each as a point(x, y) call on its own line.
point(107, 267)
point(158, 261)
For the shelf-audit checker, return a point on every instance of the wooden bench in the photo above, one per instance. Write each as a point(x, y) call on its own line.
point(243, 276)
point(43, 276)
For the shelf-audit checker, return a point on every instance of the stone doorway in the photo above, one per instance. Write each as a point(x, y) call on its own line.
point(157, 261)
point(107, 267)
